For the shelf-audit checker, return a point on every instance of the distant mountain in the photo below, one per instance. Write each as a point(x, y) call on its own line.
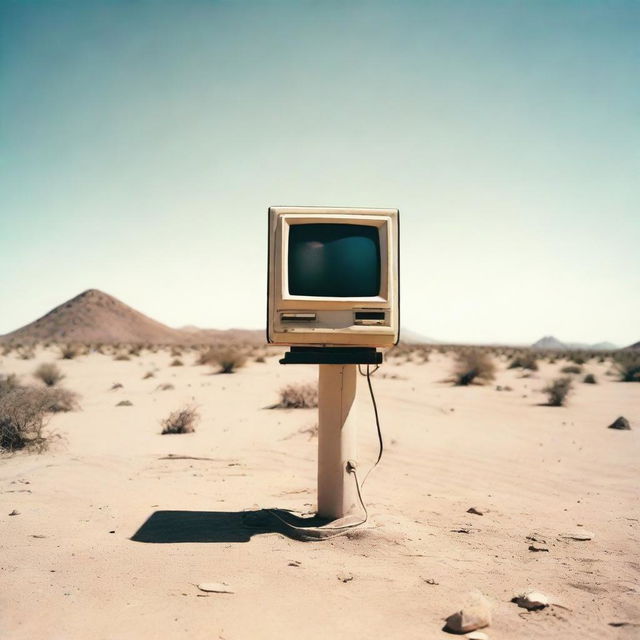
point(633, 347)
point(94, 316)
point(549, 342)
point(411, 337)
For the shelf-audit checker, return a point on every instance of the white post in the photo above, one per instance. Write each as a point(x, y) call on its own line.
point(337, 495)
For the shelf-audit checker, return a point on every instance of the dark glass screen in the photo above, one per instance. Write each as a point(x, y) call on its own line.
point(334, 260)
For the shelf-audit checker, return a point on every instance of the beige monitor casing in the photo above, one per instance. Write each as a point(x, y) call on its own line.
point(295, 320)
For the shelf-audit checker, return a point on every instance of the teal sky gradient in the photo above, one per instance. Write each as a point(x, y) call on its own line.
point(141, 143)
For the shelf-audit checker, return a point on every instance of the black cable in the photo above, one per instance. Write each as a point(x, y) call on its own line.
point(375, 411)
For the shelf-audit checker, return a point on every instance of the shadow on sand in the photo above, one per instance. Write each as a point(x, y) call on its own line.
point(222, 526)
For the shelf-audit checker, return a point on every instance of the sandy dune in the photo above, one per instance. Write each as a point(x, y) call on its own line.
point(69, 568)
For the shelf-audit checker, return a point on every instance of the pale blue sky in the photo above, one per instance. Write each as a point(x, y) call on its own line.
point(142, 143)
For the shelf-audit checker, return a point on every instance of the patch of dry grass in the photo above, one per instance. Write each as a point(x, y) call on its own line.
point(49, 373)
point(181, 421)
point(473, 366)
point(298, 396)
point(558, 390)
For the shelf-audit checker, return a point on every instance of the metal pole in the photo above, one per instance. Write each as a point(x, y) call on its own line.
point(337, 495)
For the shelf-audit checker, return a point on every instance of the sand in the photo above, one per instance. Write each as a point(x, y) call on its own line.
point(118, 524)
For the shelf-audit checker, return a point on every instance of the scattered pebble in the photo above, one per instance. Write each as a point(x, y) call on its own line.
point(533, 547)
point(215, 587)
point(621, 423)
point(430, 581)
point(531, 600)
point(461, 530)
point(345, 576)
point(578, 535)
point(15, 512)
point(477, 635)
point(125, 403)
point(294, 563)
point(475, 615)
point(475, 511)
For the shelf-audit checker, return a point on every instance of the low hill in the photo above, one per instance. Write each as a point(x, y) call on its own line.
point(95, 316)
point(633, 347)
point(549, 342)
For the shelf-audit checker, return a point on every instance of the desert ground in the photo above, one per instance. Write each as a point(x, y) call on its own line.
point(116, 525)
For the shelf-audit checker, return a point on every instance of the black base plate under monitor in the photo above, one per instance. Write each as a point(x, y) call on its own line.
point(332, 355)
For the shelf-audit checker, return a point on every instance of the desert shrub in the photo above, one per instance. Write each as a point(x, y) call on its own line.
point(135, 350)
point(24, 411)
point(473, 365)
point(229, 359)
point(572, 368)
point(578, 358)
point(627, 366)
point(125, 403)
point(525, 360)
point(557, 391)
point(590, 379)
point(69, 351)
point(176, 352)
point(176, 362)
point(26, 353)
point(62, 400)
point(8, 383)
point(116, 385)
point(165, 386)
point(122, 357)
point(148, 375)
point(181, 421)
point(299, 396)
point(49, 373)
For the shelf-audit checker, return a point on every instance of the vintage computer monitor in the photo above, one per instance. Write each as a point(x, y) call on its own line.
point(333, 277)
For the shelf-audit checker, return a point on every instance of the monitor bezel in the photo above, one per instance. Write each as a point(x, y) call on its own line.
point(383, 224)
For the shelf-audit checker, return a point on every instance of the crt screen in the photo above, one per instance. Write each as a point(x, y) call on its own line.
point(335, 260)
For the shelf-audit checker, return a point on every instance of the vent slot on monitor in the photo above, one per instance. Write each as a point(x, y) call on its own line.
point(369, 317)
point(298, 317)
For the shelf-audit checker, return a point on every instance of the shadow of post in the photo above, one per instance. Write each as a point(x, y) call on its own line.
point(163, 527)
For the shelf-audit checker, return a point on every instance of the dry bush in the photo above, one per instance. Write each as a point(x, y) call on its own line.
point(26, 353)
point(557, 391)
point(627, 366)
point(116, 385)
point(24, 411)
point(473, 366)
point(176, 352)
point(135, 350)
point(182, 421)
point(49, 373)
point(69, 351)
point(228, 359)
point(125, 403)
point(8, 383)
point(299, 396)
point(149, 374)
point(165, 386)
point(121, 357)
point(176, 362)
point(524, 360)
point(590, 379)
point(572, 368)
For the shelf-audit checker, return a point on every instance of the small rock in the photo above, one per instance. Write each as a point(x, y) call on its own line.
point(125, 403)
point(475, 511)
point(477, 635)
point(531, 600)
point(345, 576)
point(430, 581)
point(475, 615)
point(532, 547)
point(15, 512)
point(215, 587)
point(621, 424)
point(578, 535)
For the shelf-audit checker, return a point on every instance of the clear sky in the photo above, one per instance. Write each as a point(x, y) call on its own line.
point(143, 141)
